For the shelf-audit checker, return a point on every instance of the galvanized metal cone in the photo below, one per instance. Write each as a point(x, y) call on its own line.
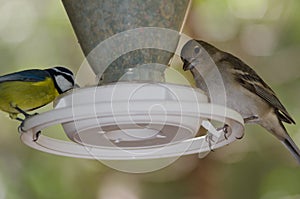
point(94, 21)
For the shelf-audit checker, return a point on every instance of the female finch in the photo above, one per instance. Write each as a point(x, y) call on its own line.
point(245, 92)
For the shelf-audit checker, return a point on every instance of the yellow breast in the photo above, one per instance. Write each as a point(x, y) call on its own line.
point(26, 95)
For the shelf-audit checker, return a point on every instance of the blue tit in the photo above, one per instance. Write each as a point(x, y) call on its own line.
point(31, 89)
point(245, 91)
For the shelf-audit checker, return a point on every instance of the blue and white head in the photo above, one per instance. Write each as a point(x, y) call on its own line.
point(62, 77)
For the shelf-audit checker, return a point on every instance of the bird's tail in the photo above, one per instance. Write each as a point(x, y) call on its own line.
point(289, 143)
point(278, 129)
point(292, 147)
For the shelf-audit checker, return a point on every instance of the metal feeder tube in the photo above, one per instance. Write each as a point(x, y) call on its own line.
point(96, 20)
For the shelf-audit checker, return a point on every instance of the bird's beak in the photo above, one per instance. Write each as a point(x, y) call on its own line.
point(188, 64)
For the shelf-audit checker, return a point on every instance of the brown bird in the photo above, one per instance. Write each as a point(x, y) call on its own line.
point(244, 91)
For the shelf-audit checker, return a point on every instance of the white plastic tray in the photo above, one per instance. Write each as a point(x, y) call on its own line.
point(128, 121)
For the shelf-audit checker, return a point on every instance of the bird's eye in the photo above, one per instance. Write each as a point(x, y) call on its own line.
point(197, 50)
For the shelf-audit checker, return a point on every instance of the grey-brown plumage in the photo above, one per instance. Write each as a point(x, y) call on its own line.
point(243, 90)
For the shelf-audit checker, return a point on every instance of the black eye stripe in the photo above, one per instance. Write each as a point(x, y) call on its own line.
point(60, 71)
point(69, 78)
point(66, 76)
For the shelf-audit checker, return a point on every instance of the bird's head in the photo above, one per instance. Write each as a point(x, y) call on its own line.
point(62, 77)
point(195, 50)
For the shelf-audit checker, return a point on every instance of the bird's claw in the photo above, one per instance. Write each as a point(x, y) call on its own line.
point(20, 128)
point(37, 135)
point(225, 130)
point(209, 138)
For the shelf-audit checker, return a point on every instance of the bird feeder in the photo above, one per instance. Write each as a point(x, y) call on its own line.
point(131, 113)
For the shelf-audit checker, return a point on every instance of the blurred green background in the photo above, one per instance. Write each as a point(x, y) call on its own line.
point(264, 33)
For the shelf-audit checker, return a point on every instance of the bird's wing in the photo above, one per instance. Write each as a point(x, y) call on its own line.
point(249, 79)
point(26, 75)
